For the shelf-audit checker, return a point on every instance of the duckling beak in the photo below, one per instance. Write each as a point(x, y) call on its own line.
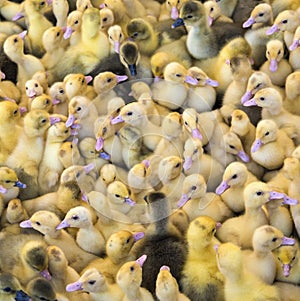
point(2, 75)
point(132, 69)
point(117, 119)
point(31, 93)
point(273, 65)
point(222, 187)
point(70, 121)
point(55, 101)
point(26, 224)
point(286, 270)
point(210, 20)
point(2, 189)
point(249, 103)
point(196, 134)
point(17, 16)
point(188, 161)
point(68, 32)
point(129, 201)
point(249, 22)
point(190, 80)
point(274, 28)
point(23, 34)
point(275, 195)
point(141, 260)
point(246, 97)
point(257, 144)
point(75, 286)
point(211, 82)
point(45, 274)
point(121, 78)
point(62, 225)
point(289, 201)
point(183, 200)
point(117, 46)
point(54, 120)
point(137, 236)
point(178, 22)
point(20, 184)
point(99, 143)
point(89, 167)
point(294, 45)
point(287, 241)
point(104, 155)
point(243, 156)
point(174, 13)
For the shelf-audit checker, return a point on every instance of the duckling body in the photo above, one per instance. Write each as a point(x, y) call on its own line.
point(292, 98)
point(201, 279)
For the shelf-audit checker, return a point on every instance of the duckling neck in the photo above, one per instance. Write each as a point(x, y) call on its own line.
point(70, 189)
point(133, 293)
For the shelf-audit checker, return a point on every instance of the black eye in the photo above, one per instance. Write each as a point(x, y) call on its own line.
point(261, 14)
point(15, 112)
point(42, 3)
point(77, 175)
point(284, 21)
point(66, 131)
point(234, 176)
point(61, 91)
point(117, 195)
point(7, 289)
point(189, 17)
point(132, 268)
point(38, 223)
point(43, 121)
point(129, 113)
point(195, 151)
point(293, 258)
point(109, 80)
point(120, 36)
point(177, 165)
point(104, 19)
point(178, 75)
point(36, 85)
point(104, 130)
point(274, 239)
point(15, 40)
point(259, 193)
point(279, 51)
point(231, 146)
point(258, 85)
point(58, 34)
point(267, 133)
point(71, 146)
point(128, 240)
point(47, 101)
point(78, 109)
point(92, 282)
point(76, 22)
point(135, 34)
point(7, 181)
point(262, 98)
point(211, 9)
point(194, 188)
point(75, 217)
point(186, 123)
point(118, 110)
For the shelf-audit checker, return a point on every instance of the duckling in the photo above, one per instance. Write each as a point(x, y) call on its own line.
point(270, 101)
point(9, 128)
point(87, 237)
point(9, 285)
point(135, 115)
point(227, 7)
point(195, 201)
point(290, 102)
point(204, 41)
point(93, 282)
point(36, 123)
point(201, 279)
point(73, 27)
point(201, 97)
point(62, 274)
point(269, 136)
point(278, 6)
point(172, 92)
point(9, 10)
point(256, 194)
point(43, 102)
point(170, 9)
point(239, 282)
point(116, 37)
point(129, 279)
point(29, 260)
point(261, 261)
point(104, 84)
point(119, 250)
point(160, 236)
point(53, 44)
point(286, 21)
point(276, 66)
point(107, 18)
point(82, 112)
point(167, 287)
point(214, 13)
point(27, 64)
point(287, 263)
point(59, 98)
point(294, 50)
point(46, 222)
point(68, 154)
point(60, 10)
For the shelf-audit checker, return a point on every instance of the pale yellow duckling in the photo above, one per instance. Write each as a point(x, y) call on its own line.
point(260, 16)
point(167, 286)
point(287, 290)
point(288, 264)
point(88, 237)
point(270, 100)
point(195, 201)
point(73, 27)
point(294, 50)
point(31, 146)
point(270, 138)
point(200, 271)
point(276, 66)
point(239, 282)
point(42, 78)
point(240, 229)
point(68, 154)
point(60, 9)
point(57, 92)
point(172, 91)
point(27, 63)
point(202, 96)
point(170, 9)
point(53, 44)
point(214, 13)
point(196, 161)
point(9, 10)
point(116, 37)
point(9, 128)
point(82, 5)
point(33, 89)
point(129, 279)
point(107, 18)
point(95, 283)
point(261, 261)
point(46, 222)
point(292, 99)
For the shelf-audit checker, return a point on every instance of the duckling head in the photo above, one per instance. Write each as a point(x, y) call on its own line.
point(213, 11)
point(42, 102)
point(296, 40)
point(291, 167)
point(33, 88)
point(78, 109)
point(137, 176)
point(9, 112)
point(166, 285)
point(138, 29)
point(106, 18)
point(9, 179)
point(15, 212)
point(41, 289)
point(103, 130)
point(177, 73)
point(193, 150)
point(116, 37)
point(158, 62)
point(88, 151)
point(262, 13)
point(201, 77)
point(291, 85)
point(108, 173)
point(138, 88)
point(201, 232)
point(190, 122)
point(52, 38)
point(76, 84)
point(57, 260)
point(233, 145)
point(68, 154)
point(74, 22)
point(194, 186)
point(286, 20)
point(9, 284)
point(169, 168)
point(36, 122)
point(172, 125)
point(14, 45)
point(57, 93)
point(106, 81)
point(235, 174)
point(58, 132)
point(240, 122)
point(274, 53)
point(129, 56)
point(118, 193)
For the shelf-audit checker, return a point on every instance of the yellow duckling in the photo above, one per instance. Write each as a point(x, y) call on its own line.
point(170, 9)
point(167, 286)
point(68, 154)
point(116, 37)
point(107, 18)
point(239, 282)
point(27, 63)
point(276, 66)
point(195, 201)
point(129, 279)
point(43, 102)
point(88, 237)
point(256, 194)
point(214, 13)
point(201, 279)
point(46, 222)
point(294, 50)
point(290, 103)
point(287, 262)
point(33, 89)
point(270, 101)
point(73, 27)
point(57, 92)
point(261, 261)
point(287, 290)
point(93, 282)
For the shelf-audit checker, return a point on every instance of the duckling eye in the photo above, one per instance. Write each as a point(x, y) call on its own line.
point(261, 14)
point(194, 187)
point(234, 176)
point(58, 34)
point(177, 165)
point(128, 240)
point(189, 17)
point(258, 85)
point(118, 110)
point(109, 80)
point(120, 35)
point(7, 289)
point(284, 21)
point(77, 175)
point(71, 146)
point(135, 34)
point(66, 131)
point(104, 130)
point(186, 123)
point(104, 19)
point(38, 223)
point(82, 81)
point(117, 195)
point(274, 239)
point(75, 217)
point(43, 121)
point(231, 146)
point(36, 85)
point(267, 133)
point(15, 112)
point(76, 22)
point(42, 3)
point(293, 258)
point(47, 101)
point(211, 9)
point(129, 113)
point(61, 91)
point(92, 282)
point(7, 181)
point(262, 98)
point(259, 193)
point(195, 151)
point(115, 177)
point(78, 109)
point(279, 51)
point(92, 152)
point(132, 268)
point(178, 75)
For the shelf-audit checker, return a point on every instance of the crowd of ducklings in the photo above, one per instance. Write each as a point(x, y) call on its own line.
point(150, 150)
